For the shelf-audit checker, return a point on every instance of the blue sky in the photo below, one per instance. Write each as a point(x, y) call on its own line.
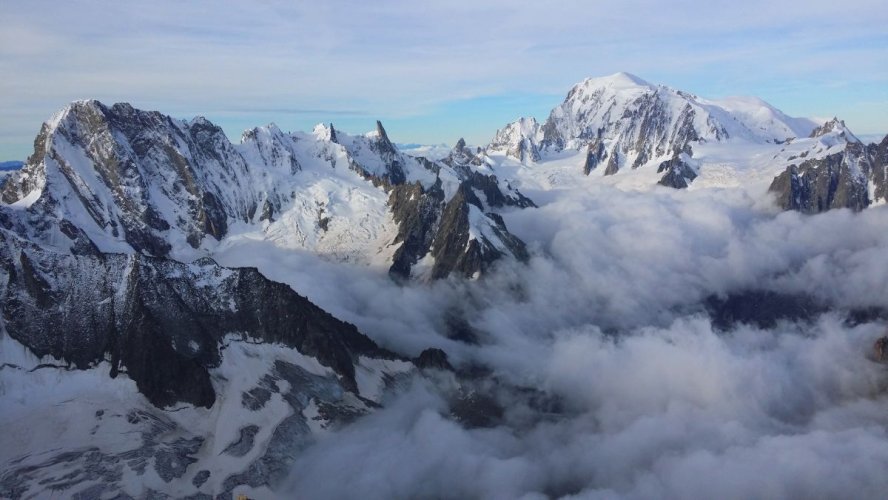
point(431, 71)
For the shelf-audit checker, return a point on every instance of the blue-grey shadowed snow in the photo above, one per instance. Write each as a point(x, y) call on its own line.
point(7, 166)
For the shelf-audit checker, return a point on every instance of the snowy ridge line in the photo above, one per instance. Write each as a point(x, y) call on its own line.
point(118, 179)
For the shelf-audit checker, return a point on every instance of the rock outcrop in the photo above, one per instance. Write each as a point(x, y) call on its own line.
point(622, 121)
point(678, 172)
point(118, 179)
point(160, 321)
point(847, 175)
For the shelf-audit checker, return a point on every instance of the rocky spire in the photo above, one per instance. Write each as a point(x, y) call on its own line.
point(834, 126)
point(381, 131)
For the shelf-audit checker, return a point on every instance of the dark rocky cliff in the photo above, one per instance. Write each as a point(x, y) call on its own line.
point(159, 320)
point(839, 180)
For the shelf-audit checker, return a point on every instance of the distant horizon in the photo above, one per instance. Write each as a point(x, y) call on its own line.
point(432, 72)
point(234, 134)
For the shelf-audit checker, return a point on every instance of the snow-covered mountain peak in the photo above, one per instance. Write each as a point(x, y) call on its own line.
point(75, 111)
point(760, 118)
point(122, 180)
point(834, 127)
point(324, 132)
point(380, 132)
point(270, 130)
point(519, 139)
point(616, 80)
point(628, 122)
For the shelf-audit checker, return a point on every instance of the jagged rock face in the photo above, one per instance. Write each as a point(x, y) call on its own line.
point(133, 175)
point(496, 194)
point(879, 172)
point(462, 158)
point(831, 126)
point(459, 248)
point(595, 154)
point(159, 320)
point(494, 197)
point(417, 212)
point(274, 148)
point(628, 122)
point(839, 180)
point(428, 223)
point(646, 126)
point(433, 358)
point(425, 218)
point(679, 171)
point(117, 179)
point(388, 165)
point(519, 140)
point(18, 186)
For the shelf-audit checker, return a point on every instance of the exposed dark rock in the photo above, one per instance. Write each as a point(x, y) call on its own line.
point(416, 211)
point(518, 140)
point(433, 358)
point(452, 248)
point(427, 224)
point(88, 465)
point(161, 320)
point(200, 478)
point(460, 330)
point(244, 442)
point(136, 156)
point(613, 164)
point(678, 172)
point(836, 181)
point(646, 128)
point(878, 154)
point(760, 308)
point(17, 187)
point(854, 178)
point(255, 398)
point(595, 154)
point(394, 172)
point(292, 435)
point(493, 194)
point(829, 126)
point(155, 443)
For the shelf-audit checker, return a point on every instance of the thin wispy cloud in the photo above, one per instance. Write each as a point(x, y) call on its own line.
point(400, 60)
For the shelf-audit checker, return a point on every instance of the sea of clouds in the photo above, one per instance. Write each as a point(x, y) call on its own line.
point(607, 320)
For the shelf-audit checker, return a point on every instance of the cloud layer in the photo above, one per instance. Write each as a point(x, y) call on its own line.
point(648, 399)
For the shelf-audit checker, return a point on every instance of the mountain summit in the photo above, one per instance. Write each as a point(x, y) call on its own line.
point(625, 121)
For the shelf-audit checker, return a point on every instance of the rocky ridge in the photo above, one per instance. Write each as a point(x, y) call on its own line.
point(835, 170)
point(118, 179)
point(622, 121)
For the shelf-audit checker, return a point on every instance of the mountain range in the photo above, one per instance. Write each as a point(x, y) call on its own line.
point(111, 234)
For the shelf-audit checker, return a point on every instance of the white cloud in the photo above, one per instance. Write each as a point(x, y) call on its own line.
point(401, 59)
point(605, 319)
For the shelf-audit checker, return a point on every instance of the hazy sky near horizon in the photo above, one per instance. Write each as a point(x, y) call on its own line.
point(432, 71)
